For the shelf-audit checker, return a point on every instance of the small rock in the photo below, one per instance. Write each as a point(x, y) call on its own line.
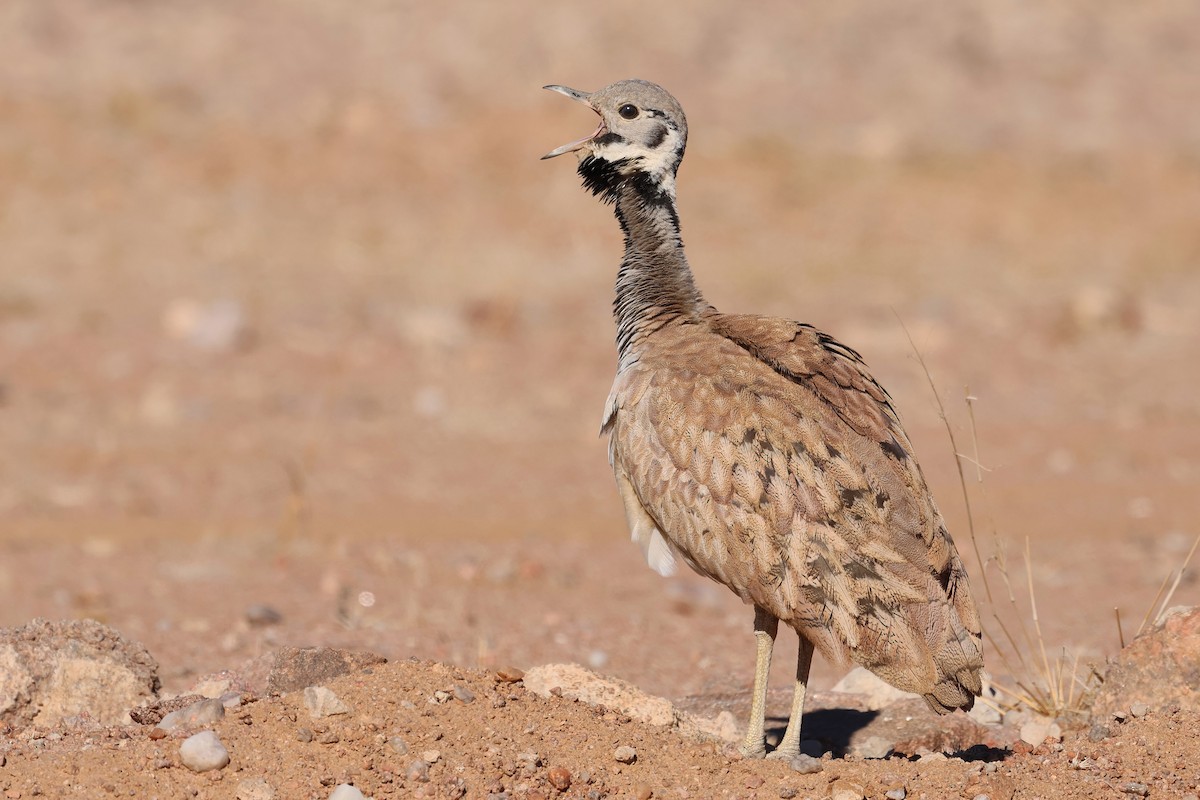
point(204, 712)
point(982, 797)
point(440, 697)
point(322, 702)
point(299, 667)
point(787, 792)
point(1139, 710)
point(346, 792)
point(417, 771)
point(260, 615)
point(899, 793)
point(509, 675)
point(754, 781)
point(304, 735)
point(254, 789)
point(846, 790)
point(927, 758)
point(806, 764)
point(431, 756)
point(872, 747)
point(398, 745)
point(464, 694)
point(1035, 731)
point(625, 754)
point(203, 752)
point(560, 778)
point(1135, 788)
point(643, 791)
point(1098, 732)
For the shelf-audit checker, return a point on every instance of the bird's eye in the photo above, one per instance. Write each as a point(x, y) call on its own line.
point(628, 111)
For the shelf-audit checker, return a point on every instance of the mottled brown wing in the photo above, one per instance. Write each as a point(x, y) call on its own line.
point(771, 461)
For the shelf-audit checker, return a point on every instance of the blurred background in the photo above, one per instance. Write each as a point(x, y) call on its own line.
point(291, 315)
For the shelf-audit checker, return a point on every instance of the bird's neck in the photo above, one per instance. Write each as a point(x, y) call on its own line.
point(654, 285)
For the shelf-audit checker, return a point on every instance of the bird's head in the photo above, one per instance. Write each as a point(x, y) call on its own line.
point(642, 134)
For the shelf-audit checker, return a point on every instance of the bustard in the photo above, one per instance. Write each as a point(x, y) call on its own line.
point(762, 453)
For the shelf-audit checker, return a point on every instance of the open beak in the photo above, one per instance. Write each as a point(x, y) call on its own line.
point(581, 97)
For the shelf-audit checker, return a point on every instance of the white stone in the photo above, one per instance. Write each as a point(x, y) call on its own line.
point(322, 702)
point(346, 792)
point(203, 752)
point(198, 714)
point(255, 789)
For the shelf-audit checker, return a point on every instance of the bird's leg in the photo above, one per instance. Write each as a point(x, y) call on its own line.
point(789, 748)
point(765, 628)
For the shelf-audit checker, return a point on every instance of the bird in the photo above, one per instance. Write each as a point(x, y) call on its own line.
point(762, 453)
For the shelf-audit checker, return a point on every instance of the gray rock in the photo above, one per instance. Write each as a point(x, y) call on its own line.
point(347, 792)
point(73, 668)
point(899, 793)
point(625, 754)
point(300, 667)
point(1139, 710)
point(204, 712)
point(322, 702)
point(398, 745)
point(203, 752)
point(807, 765)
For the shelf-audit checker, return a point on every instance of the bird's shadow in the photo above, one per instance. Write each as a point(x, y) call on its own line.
point(833, 729)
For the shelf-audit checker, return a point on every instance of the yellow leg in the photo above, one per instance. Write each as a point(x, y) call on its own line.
point(789, 748)
point(765, 628)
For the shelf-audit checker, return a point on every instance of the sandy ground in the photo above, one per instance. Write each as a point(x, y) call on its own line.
point(290, 314)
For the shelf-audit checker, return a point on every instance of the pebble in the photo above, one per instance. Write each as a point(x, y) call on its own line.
point(560, 778)
point(786, 792)
point(398, 745)
point(260, 615)
point(198, 714)
point(899, 793)
point(1098, 732)
point(625, 754)
point(982, 797)
point(1139, 710)
point(510, 675)
point(643, 791)
point(431, 756)
point(1135, 788)
point(203, 752)
point(806, 764)
point(347, 792)
point(322, 702)
point(254, 789)
point(1035, 731)
point(417, 771)
point(845, 790)
point(464, 694)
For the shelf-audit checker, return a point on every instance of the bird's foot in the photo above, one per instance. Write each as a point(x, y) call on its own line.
point(787, 754)
point(750, 749)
